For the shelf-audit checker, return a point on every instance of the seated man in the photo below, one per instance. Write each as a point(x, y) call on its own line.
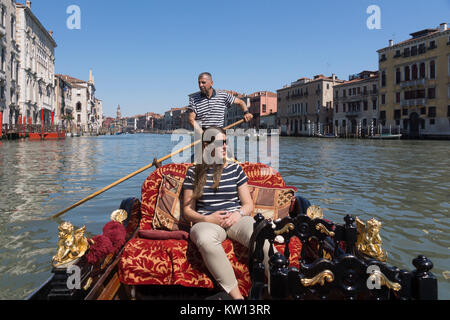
point(216, 199)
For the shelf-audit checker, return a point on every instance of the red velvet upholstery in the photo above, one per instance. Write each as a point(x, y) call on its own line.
point(178, 262)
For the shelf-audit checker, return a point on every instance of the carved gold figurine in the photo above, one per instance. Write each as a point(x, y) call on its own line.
point(369, 240)
point(314, 212)
point(72, 245)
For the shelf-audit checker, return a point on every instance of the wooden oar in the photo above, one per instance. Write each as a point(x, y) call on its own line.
point(134, 174)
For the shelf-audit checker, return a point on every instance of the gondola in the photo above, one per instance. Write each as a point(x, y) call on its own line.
point(315, 258)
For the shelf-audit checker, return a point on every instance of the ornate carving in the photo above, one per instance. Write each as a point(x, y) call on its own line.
point(369, 240)
point(72, 245)
point(320, 227)
point(119, 215)
point(379, 277)
point(314, 212)
point(288, 227)
point(326, 275)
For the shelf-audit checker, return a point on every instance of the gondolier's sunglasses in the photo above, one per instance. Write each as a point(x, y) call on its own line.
point(219, 142)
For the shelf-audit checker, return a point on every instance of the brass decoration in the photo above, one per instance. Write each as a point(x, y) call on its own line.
point(320, 227)
point(369, 240)
point(315, 212)
point(119, 215)
point(88, 284)
point(72, 245)
point(326, 275)
point(378, 277)
point(288, 227)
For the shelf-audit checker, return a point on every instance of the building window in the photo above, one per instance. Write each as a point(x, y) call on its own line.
point(407, 73)
point(79, 107)
point(407, 52)
point(422, 70)
point(405, 124)
point(432, 70)
point(432, 122)
point(405, 112)
point(383, 99)
point(432, 112)
point(366, 105)
point(79, 118)
point(414, 51)
point(382, 115)
point(431, 93)
point(374, 104)
point(383, 79)
point(397, 114)
point(397, 97)
point(414, 72)
point(422, 124)
point(398, 76)
point(423, 110)
point(264, 108)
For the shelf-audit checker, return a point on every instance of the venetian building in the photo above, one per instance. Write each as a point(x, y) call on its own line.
point(86, 106)
point(356, 105)
point(36, 78)
point(64, 107)
point(305, 107)
point(9, 64)
point(414, 84)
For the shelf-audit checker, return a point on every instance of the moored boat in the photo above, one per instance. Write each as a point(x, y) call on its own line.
point(143, 255)
point(386, 136)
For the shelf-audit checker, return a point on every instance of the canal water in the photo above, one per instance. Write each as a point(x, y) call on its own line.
point(404, 184)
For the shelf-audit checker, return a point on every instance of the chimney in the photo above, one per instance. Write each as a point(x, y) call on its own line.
point(50, 32)
point(28, 4)
point(391, 43)
point(443, 27)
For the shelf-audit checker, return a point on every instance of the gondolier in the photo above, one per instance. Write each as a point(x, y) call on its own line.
point(208, 106)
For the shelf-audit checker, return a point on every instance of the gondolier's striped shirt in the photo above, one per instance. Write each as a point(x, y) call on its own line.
point(226, 198)
point(211, 112)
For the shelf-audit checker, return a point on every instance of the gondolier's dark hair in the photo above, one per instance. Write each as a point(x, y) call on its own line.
point(205, 74)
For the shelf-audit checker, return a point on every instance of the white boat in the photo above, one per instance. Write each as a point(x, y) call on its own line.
point(386, 136)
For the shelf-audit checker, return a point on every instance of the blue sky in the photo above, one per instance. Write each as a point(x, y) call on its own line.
point(146, 55)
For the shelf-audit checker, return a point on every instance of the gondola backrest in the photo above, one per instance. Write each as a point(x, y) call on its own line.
point(257, 173)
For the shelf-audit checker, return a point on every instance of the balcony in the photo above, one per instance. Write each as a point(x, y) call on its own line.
point(413, 83)
point(413, 102)
point(351, 114)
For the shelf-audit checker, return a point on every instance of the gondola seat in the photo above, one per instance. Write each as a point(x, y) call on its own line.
point(177, 261)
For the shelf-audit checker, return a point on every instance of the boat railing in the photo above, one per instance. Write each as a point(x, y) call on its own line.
point(337, 261)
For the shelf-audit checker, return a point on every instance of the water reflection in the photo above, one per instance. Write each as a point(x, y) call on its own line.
point(404, 184)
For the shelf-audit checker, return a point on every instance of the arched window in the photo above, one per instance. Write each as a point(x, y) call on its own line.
point(414, 72)
point(79, 107)
point(432, 70)
point(407, 73)
point(422, 70)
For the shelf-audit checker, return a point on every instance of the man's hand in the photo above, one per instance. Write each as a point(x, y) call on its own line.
point(248, 117)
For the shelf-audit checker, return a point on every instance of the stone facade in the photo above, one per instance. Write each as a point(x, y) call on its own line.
point(414, 84)
point(36, 74)
point(356, 105)
point(306, 106)
point(9, 63)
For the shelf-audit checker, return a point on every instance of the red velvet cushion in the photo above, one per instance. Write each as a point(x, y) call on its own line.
point(163, 235)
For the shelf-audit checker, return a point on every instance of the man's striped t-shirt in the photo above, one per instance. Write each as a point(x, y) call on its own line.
point(226, 198)
point(211, 111)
